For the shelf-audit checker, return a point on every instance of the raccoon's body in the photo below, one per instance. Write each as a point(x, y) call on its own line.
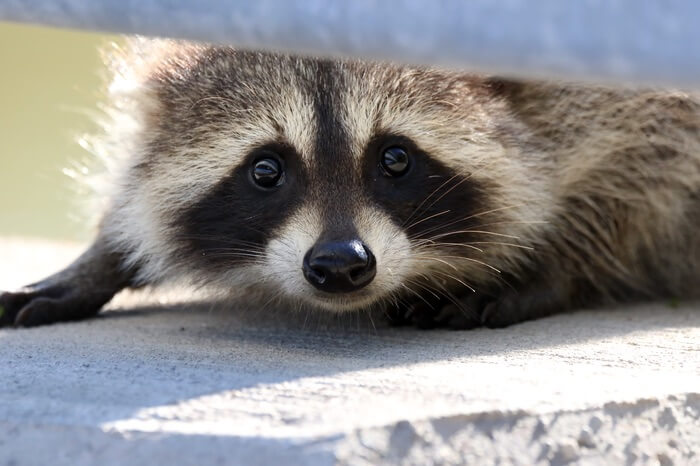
point(442, 198)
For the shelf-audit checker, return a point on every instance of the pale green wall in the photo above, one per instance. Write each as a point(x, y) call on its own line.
point(50, 80)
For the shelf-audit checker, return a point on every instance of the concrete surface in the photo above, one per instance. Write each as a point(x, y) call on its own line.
point(153, 381)
point(579, 40)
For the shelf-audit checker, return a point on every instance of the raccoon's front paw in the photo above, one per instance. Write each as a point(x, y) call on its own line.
point(430, 312)
point(514, 306)
point(504, 311)
point(46, 304)
point(472, 310)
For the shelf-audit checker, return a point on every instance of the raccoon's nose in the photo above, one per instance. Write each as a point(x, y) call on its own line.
point(339, 267)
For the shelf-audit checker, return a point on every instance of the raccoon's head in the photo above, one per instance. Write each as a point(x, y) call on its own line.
point(338, 184)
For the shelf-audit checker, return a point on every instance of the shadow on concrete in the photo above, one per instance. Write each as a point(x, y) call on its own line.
point(364, 337)
point(151, 355)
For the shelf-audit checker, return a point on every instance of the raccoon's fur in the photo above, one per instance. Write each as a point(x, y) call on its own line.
point(440, 197)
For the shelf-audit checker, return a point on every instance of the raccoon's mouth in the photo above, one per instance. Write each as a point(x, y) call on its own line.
point(342, 302)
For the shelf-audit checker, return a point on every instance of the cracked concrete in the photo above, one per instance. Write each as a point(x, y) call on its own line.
point(156, 379)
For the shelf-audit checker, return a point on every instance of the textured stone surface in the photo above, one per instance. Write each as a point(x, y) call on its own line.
point(156, 380)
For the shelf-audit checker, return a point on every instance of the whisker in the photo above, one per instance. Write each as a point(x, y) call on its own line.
point(450, 276)
point(482, 263)
point(503, 244)
point(306, 317)
point(482, 232)
point(464, 219)
point(418, 284)
point(234, 244)
point(369, 315)
point(470, 259)
point(499, 209)
point(260, 253)
point(427, 198)
point(446, 193)
point(222, 239)
point(232, 254)
point(421, 256)
point(514, 222)
point(465, 245)
point(273, 298)
point(418, 295)
point(426, 219)
point(437, 259)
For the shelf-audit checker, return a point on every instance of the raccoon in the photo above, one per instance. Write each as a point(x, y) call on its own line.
point(441, 198)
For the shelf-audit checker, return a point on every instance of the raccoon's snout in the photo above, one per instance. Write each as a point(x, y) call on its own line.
point(339, 267)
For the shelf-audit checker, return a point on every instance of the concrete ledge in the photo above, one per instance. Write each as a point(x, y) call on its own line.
point(581, 40)
point(155, 381)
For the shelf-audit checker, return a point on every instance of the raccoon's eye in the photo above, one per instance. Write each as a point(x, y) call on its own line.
point(267, 172)
point(394, 161)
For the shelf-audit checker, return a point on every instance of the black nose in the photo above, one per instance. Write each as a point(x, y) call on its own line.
point(339, 267)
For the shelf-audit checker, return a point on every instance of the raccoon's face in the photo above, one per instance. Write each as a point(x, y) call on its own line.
point(334, 184)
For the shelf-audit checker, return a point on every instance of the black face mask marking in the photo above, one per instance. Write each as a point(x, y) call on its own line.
point(234, 221)
point(429, 201)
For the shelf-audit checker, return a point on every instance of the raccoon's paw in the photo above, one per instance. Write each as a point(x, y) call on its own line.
point(76, 292)
point(46, 304)
point(514, 306)
point(429, 313)
point(504, 311)
point(472, 310)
